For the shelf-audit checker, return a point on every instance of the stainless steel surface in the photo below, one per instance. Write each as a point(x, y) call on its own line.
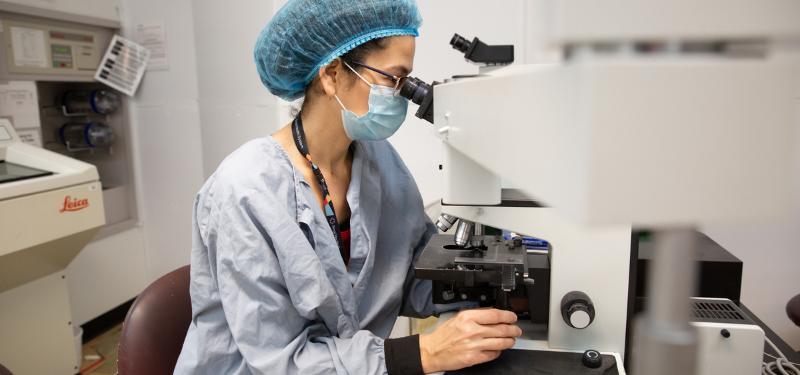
point(512, 260)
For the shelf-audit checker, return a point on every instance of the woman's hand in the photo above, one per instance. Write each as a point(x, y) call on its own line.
point(469, 338)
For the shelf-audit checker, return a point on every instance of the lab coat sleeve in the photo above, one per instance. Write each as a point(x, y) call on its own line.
point(278, 327)
point(418, 294)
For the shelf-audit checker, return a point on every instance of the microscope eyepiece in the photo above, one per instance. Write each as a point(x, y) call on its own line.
point(421, 94)
point(481, 53)
point(414, 90)
point(459, 43)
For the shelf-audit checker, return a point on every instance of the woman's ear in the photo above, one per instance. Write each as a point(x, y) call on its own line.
point(329, 77)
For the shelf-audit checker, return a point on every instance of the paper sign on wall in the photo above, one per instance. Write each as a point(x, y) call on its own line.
point(153, 36)
point(123, 65)
point(28, 47)
point(19, 102)
point(30, 136)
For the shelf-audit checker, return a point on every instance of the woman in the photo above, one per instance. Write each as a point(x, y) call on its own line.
point(304, 242)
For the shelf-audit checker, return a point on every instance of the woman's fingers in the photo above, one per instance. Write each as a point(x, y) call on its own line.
point(491, 316)
point(502, 330)
point(471, 337)
point(494, 344)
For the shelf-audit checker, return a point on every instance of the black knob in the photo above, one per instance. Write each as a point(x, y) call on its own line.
point(592, 359)
point(577, 310)
point(725, 333)
point(448, 295)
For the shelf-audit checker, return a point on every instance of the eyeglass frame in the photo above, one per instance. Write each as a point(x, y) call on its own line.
point(395, 78)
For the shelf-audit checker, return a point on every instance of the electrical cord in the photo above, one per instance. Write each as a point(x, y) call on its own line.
point(781, 365)
point(770, 355)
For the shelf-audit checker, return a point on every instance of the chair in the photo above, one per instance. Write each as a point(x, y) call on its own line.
point(793, 310)
point(155, 327)
point(4, 371)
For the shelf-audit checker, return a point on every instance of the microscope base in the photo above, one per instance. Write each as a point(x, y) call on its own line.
point(532, 353)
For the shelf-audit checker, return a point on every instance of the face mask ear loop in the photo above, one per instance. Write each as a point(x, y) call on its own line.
point(354, 71)
point(340, 102)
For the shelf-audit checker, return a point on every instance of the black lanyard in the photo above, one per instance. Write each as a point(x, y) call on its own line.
point(330, 214)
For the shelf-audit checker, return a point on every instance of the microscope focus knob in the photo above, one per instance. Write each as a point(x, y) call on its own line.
point(577, 310)
point(592, 359)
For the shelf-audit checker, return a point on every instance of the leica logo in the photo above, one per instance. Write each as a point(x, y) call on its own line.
point(74, 204)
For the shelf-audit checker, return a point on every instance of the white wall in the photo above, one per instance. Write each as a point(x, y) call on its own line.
point(165, 122)
point(234, 106)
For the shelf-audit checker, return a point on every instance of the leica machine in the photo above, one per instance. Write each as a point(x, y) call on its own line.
point(50, 207)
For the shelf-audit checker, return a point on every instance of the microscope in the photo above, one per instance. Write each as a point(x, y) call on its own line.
point(474, 265)
point(479, 263)
point(641, 125)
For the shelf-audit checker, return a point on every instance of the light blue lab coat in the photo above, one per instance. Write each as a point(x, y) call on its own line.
point(270, 292)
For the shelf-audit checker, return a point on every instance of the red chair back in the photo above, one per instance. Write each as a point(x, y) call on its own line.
point(4, 371)
point(793, 309)
point(155, 327)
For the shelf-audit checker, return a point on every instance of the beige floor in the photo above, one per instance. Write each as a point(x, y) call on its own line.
point(105, 346)
point(423, 325)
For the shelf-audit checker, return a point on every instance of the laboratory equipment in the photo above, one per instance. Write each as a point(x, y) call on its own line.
point(621, 135)
point(50, 207)
point(728, 341)
point(53, 85)
point(37, 48)
point(51, 51)
point(719, 272)
point(419, 93)
point(480, 53)
point(82, 136)
point(99, 101)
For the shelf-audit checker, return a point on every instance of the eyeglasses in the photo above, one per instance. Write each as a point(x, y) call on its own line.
point(398, 81)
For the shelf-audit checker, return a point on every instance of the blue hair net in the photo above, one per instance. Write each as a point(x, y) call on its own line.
point(308, 34)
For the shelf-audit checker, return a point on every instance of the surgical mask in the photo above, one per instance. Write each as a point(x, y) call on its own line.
point(386, 114)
